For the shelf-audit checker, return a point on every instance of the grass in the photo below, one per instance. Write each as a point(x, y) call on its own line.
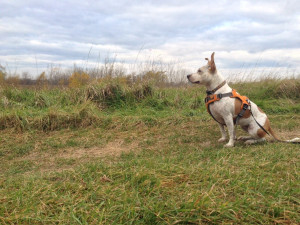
point(143, 158)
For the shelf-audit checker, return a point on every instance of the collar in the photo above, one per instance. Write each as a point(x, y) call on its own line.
point(217, 88)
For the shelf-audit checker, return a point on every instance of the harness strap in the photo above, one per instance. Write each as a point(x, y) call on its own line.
point(233, 94)
point(242, 112)
point(213, 116)
point(244, 99)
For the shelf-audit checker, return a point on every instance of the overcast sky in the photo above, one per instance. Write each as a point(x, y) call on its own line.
point(35, 34)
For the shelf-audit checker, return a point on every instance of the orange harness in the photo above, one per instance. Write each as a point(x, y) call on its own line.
point(233, 94)
point(217, 97)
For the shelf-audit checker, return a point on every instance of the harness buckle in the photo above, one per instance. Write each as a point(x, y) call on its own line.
point(209, 93)
point(245, 106)
point(209, 98)
point(242, 112)
point(206, 99)
point(219, 96)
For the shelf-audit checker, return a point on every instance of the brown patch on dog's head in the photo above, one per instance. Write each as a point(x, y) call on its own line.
point(211, 63)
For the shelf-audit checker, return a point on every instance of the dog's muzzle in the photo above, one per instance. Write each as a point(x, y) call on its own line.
point(188, 77)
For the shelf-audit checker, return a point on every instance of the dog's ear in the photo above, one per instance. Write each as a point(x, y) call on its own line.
point(208, 62)
point(212, 63)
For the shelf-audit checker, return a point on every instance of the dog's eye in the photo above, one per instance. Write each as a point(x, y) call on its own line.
point(199, 71)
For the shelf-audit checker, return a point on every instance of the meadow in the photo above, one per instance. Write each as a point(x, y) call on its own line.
point(113, 153)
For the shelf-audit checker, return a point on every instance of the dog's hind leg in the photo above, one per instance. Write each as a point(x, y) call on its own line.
point(223, 133)
point(231, 130)
point(257, 135)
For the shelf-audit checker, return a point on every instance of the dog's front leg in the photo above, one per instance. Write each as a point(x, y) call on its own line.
point(231, 130)
point(223, 133)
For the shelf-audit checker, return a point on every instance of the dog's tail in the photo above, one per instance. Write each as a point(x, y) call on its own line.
point(293, 141)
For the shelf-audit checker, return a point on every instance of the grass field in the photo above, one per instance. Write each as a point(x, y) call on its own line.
point(113, 154)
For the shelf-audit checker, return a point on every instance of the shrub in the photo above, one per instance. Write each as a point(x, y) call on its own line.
point(78, 79)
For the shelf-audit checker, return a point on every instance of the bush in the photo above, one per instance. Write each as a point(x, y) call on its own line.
point(114, 95)
point(78, 79)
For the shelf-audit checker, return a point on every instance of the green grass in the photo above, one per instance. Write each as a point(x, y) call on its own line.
point(150, 159)
point(181, 182)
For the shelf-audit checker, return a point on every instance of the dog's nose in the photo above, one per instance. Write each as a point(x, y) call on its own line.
point(188, 76)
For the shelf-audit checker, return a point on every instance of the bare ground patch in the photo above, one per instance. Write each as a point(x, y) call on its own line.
point(66, 159)
point(114, 148)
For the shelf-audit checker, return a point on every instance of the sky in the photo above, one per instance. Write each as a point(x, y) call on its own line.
point(36, 34)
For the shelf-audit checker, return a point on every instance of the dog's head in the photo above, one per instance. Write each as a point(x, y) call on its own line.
point(204, 74)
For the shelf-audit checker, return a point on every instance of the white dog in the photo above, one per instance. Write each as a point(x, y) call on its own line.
point(229, 108)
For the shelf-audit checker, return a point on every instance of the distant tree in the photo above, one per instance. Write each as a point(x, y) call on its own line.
point(78, 79)
point(26, 79)
point(55, 75)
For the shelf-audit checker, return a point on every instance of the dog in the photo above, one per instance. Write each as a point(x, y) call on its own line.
point(229, 108)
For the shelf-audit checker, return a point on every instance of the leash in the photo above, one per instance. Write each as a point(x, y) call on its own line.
point(258, 122)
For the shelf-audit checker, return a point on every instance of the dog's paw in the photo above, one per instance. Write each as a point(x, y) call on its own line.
point(222, 140)
point(244, 138)
point(250, 142)
point(229, 145)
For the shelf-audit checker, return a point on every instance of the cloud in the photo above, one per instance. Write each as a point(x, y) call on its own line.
point(241, 32)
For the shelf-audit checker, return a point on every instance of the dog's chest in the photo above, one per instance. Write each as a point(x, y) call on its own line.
point(222, 108)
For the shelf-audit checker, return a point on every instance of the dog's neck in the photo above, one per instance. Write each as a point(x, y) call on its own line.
point(218, 79)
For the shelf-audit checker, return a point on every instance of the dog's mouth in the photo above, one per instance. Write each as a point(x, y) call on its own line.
point(195, 82)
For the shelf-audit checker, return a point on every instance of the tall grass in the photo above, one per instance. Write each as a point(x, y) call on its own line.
point(51, 109)
point(270, 88)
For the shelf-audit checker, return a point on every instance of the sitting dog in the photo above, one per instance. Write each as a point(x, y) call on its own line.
point(229, 108)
